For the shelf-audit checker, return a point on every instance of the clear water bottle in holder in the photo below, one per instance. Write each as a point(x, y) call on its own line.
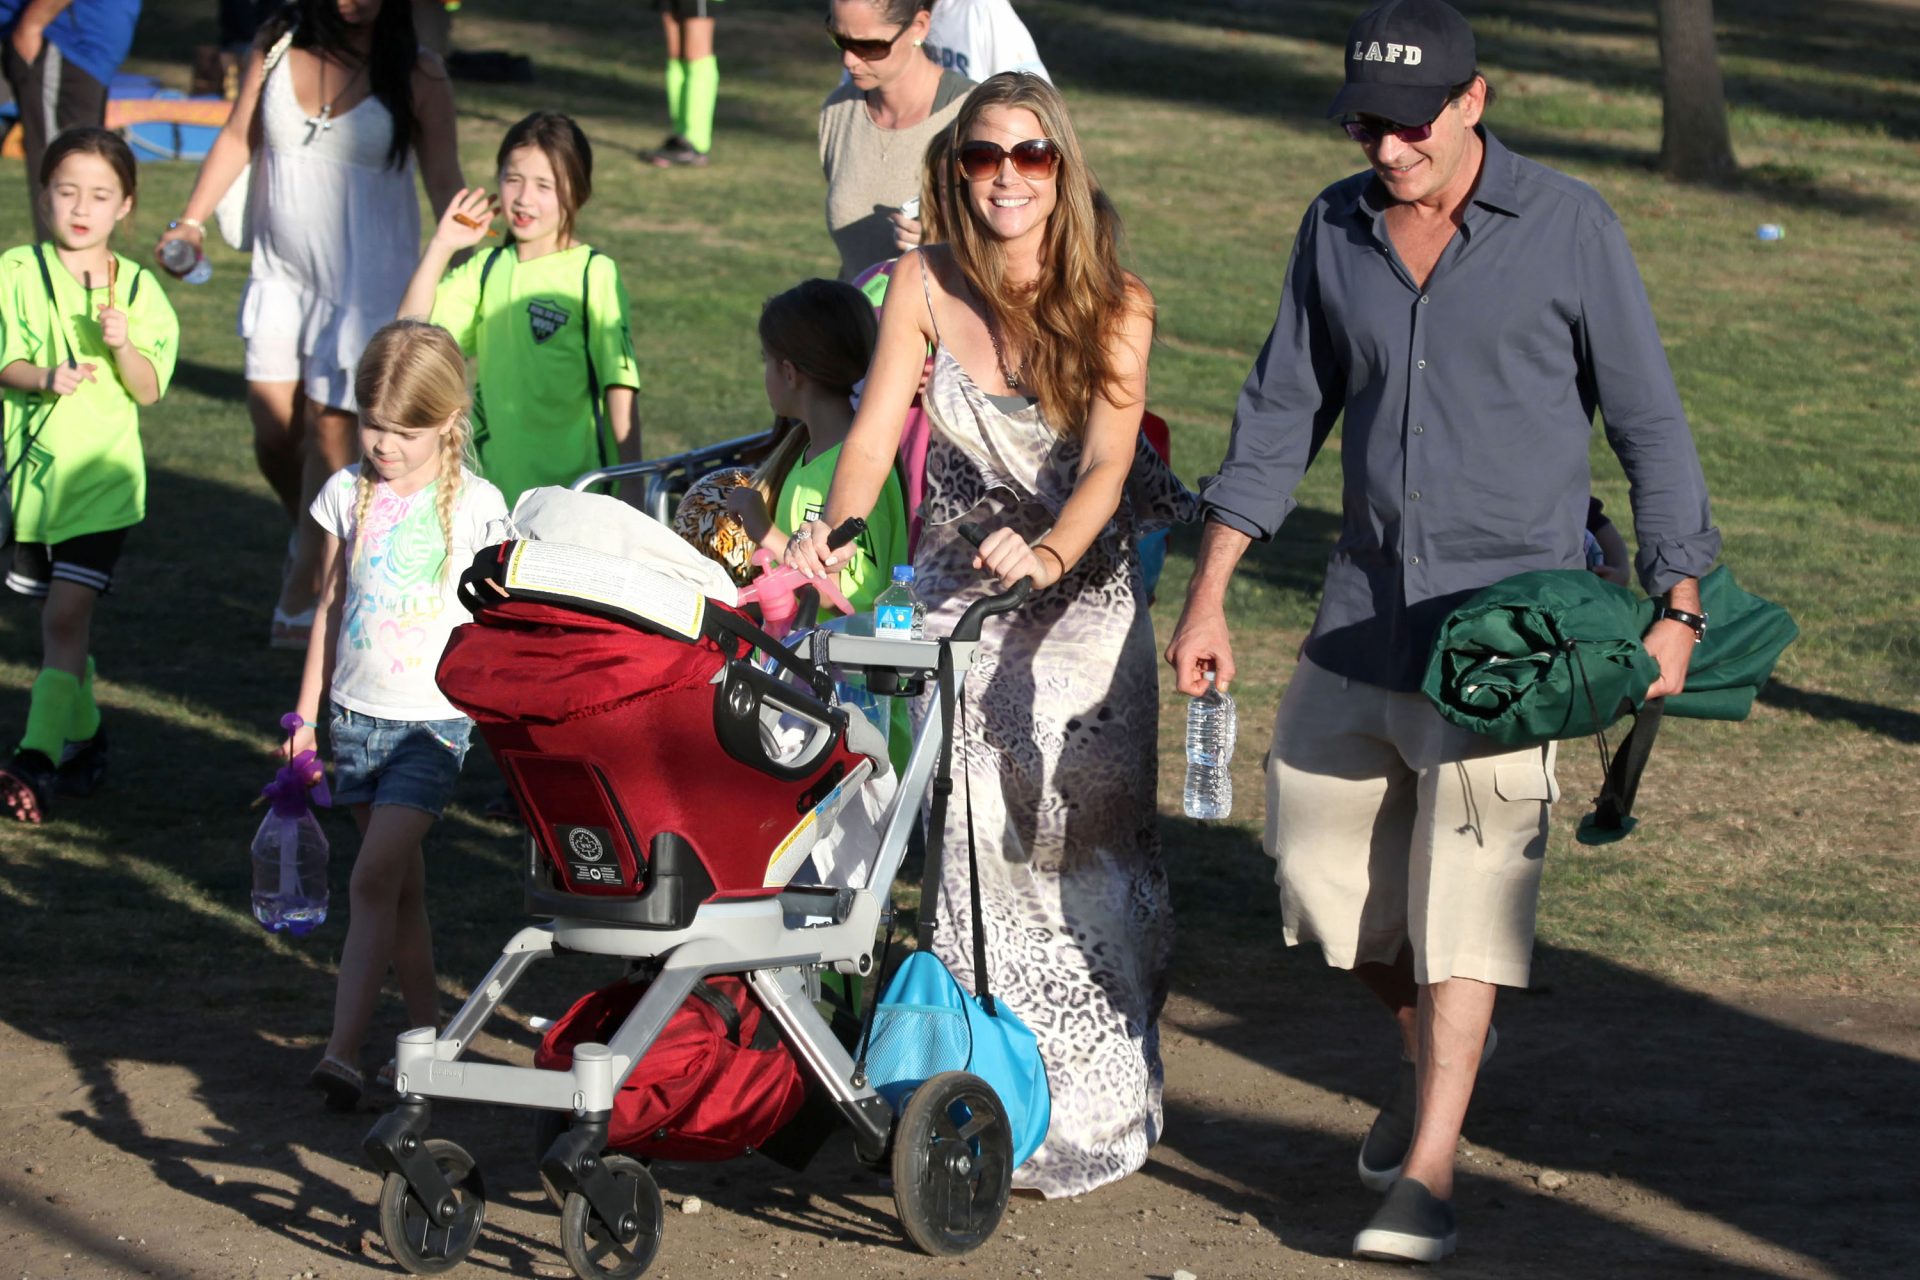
point(898, 613)
point(1210, 737)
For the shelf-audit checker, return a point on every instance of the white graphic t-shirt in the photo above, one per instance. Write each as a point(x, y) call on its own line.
point(981, 38)
point(398, 605)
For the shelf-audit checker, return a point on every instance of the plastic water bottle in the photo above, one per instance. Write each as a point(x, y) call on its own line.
point(898, 613)
point(1210, 735)
point(290, 849)
point(184, 261)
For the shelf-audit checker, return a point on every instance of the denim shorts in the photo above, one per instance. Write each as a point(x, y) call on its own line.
point(405, 762)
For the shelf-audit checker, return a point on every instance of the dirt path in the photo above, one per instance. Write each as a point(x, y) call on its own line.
point(1696, 1136)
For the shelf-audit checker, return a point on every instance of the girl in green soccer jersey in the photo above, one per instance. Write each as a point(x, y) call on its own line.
point(815, 341)
point(543, 317)
point(86, 338)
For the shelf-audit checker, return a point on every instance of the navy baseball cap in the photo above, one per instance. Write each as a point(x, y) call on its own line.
point(1402, 57)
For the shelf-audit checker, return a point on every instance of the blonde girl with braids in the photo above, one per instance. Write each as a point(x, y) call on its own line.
point(399, 526)
point(1034, 403)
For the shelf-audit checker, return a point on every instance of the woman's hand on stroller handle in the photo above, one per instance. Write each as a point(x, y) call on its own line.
point(818, 550)
point(1008, 557)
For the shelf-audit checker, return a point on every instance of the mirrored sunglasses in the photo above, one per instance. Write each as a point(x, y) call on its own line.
point(1367, 132)
point(1034, 158)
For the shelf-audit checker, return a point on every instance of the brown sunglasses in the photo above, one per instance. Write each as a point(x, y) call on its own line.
point(1034, 158)
point(865, 50)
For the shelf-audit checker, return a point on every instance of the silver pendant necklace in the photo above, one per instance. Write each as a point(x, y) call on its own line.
point(1000, 356)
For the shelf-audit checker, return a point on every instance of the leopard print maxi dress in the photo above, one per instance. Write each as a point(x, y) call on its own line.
point(1059, 738)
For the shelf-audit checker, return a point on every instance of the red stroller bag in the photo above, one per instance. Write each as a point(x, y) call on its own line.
point(718, 1081)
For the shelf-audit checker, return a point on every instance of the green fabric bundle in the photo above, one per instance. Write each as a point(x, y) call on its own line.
point(1557, 654)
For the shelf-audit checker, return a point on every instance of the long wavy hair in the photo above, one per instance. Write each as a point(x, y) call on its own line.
point(1065, 320)
point(936, 180)
point(317, 25)
point(412, 375)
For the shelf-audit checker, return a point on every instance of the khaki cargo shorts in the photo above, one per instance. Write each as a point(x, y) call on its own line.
point(1390, 826)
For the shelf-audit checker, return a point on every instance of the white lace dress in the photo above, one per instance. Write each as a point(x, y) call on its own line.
point(336, 236)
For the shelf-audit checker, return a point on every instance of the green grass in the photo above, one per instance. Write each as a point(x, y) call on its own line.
point(1778, 853)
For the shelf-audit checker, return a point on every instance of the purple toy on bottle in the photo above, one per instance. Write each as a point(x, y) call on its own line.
point(289, 849)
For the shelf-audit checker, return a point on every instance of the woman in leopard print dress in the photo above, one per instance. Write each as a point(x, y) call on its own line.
point(1056, 748)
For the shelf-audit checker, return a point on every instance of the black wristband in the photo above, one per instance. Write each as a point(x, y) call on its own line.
point(1696, 622)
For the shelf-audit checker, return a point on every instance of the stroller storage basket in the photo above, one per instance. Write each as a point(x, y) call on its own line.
point(718, 1080)
point(638, 758)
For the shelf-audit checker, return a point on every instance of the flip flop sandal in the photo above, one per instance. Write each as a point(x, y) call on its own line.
point(27, 784)
point(290, 630)
point(339, 1083)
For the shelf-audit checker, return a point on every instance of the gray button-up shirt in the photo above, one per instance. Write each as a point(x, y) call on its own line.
point(1468, 407)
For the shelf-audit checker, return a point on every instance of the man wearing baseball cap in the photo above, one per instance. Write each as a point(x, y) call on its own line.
point(1463, 311)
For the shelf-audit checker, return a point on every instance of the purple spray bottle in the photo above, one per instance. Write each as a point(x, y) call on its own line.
point(290, 850)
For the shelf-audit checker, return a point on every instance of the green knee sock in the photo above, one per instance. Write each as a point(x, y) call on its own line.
point(677, 94)
point(86, 712)
point(703, 91)
point(50, 713)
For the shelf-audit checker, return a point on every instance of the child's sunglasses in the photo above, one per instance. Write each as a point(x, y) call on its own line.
point(865, 50)
point(1368, 132)
point(1034, 158)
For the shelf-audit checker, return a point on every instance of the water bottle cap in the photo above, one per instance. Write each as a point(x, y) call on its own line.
point(903, 573)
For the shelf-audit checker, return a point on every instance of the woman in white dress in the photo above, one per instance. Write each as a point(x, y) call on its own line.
point(337, 104)
point(1039, 381)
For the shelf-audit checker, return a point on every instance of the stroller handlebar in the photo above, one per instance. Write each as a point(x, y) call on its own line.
point(968, 628)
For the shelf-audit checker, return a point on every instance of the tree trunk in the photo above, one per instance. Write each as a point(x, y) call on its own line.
point(1694, 144)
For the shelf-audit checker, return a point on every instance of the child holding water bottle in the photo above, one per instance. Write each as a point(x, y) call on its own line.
point(87, 339)
point(399, 526)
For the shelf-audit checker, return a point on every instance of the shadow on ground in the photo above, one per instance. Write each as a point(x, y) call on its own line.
point(1782, 1133)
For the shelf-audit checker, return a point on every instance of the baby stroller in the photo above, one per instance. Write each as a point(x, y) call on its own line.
point(637, 735)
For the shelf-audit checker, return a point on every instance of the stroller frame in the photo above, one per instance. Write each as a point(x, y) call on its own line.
point(949, 1188)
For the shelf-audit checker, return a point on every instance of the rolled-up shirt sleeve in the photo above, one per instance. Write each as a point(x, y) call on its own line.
point(1640, 407)
point(1286, 408)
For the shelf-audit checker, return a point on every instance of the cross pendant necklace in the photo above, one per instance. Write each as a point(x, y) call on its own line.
point(323, 123)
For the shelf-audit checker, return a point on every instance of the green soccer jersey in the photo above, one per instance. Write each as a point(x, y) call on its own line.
point(83, 471)
point(802, 498)
point(530, 328)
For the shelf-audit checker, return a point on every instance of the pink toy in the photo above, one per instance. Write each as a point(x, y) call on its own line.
point(776, 591)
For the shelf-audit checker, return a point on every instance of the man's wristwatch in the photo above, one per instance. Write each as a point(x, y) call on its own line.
point(1697, 621)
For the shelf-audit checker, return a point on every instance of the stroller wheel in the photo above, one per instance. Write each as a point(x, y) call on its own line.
point(952, 1164)
point(598, 1250)
point(412, 1237)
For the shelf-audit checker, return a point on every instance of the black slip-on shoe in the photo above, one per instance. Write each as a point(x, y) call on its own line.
point(1410, 1225)
point(1384, 1149)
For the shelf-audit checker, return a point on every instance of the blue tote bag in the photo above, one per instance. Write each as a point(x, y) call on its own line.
point(926, 1022)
